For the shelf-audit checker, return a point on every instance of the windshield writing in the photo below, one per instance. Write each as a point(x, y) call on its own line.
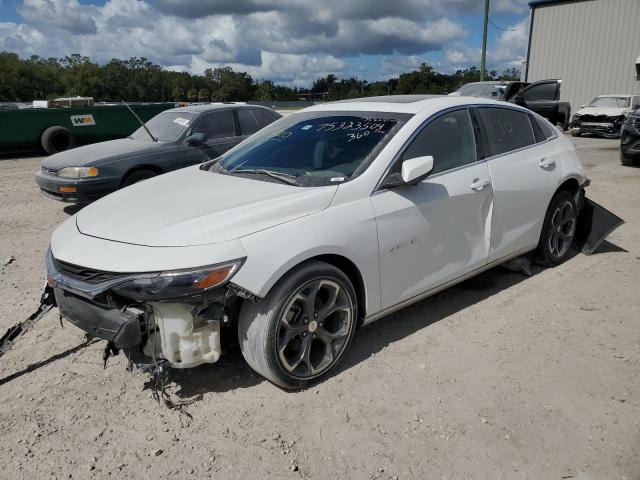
point(314, 150)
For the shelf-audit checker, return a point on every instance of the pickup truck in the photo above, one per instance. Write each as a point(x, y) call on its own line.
point(542, 97)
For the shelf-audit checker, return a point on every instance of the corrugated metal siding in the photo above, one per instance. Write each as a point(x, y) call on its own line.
point(591, 45)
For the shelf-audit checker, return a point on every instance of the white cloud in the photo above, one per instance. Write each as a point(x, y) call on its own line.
point(509, 49)
point(67, 15)
point(293, 41)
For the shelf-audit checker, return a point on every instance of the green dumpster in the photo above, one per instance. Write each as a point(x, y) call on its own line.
point(57, 129)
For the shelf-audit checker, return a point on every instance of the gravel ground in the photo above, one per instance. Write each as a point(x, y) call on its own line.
point(503, 376)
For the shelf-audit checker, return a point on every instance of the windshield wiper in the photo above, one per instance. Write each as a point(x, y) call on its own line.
point(283, 177)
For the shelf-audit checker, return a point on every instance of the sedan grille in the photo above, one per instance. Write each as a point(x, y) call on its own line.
point(595, 118)
point(84, 274)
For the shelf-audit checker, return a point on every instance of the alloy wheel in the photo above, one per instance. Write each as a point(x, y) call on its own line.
point(314, 328)
point(563, 228)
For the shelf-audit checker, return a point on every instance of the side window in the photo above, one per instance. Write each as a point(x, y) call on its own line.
point(448, 139)
point(545, 126)
point(544, 91)
point(217, 125)
point(264, 118)
point(505, 129)
point(537, 130)
point(248, 122)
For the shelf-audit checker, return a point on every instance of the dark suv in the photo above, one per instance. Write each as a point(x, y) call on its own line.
point(630, 139)
point(172, 139)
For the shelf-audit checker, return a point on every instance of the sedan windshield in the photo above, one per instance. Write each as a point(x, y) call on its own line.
point(313, 149)
point(166, 126)
point(611, 102)
point(482, 90)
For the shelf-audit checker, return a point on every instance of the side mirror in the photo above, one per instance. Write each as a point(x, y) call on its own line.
point(196, 138)
point(416, 169)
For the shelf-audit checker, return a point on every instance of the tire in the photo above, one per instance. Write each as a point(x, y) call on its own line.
point(627, 162)
point(57, 139)
point(558, 230)
point(290, 342)
point(575, 132)
point(137, 176)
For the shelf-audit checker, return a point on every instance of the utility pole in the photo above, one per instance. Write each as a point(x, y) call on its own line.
point(484, 40)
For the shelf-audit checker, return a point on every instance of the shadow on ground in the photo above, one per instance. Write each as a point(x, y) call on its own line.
point(231, 371)
point(72, 209)
point(44, 363)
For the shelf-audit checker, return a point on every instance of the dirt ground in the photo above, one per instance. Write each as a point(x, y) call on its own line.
point(504, 376)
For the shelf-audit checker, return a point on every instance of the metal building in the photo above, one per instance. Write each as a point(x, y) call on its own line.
point(592, 45)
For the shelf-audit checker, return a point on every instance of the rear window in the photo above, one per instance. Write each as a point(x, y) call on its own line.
point(541, 129)
point(506, 129)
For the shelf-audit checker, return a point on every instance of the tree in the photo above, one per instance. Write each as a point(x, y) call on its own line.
point(138, 79)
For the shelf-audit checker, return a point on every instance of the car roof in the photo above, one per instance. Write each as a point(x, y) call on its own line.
point(614, 95)
point(212, 106)
point(404, 103)
point(493, 82)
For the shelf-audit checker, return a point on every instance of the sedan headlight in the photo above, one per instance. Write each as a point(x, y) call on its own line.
point(175, 284)
point(78, 172)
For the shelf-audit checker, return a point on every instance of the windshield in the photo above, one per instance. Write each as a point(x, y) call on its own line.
point(611, 102)
point(482, 90)
point(166, 126)
point(315, 148)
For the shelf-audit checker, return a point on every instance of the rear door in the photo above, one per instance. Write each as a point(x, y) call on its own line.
point(541, 97)
point(524, 174)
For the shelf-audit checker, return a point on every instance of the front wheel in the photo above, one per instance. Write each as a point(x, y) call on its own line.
point(137, 176)
point(302, 328)
point(558, 230)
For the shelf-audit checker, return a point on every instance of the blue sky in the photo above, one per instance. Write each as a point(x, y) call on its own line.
point(288, 41)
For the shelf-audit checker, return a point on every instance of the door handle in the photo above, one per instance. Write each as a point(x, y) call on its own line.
point(546, 162)
point(480, 184)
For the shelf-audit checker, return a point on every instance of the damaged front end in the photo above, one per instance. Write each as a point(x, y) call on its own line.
point(600, 125)
point(177, 317)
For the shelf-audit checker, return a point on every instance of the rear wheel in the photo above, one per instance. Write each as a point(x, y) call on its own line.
point(558, 230)
point(302, 328)
point(137, 176)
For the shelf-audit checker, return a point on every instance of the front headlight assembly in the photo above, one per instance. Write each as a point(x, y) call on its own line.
point(78, 172)
point(177, 284)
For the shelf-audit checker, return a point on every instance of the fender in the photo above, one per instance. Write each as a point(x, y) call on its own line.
point(348, 230)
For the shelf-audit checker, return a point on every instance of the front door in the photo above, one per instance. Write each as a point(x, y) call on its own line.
point(437, 230)
point(542, 97)
point(220, 130)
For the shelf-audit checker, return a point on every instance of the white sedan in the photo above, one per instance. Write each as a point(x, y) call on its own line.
point(327, 219)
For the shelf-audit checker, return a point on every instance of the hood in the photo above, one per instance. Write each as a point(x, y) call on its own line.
point(89, 154)
point(608, 111)
point(195, 207)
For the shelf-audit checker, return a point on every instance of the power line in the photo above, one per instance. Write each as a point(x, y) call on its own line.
point(507, 29)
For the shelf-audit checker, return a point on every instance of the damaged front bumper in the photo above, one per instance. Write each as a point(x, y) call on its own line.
point(185, 332)
point(608, 127)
